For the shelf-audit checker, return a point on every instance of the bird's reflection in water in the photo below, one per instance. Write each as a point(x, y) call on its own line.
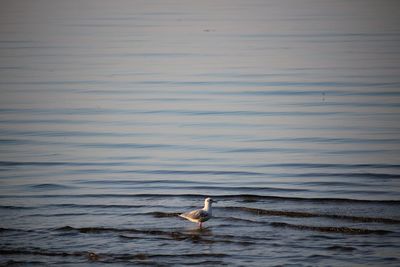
point(199, 235)
point(205, 231)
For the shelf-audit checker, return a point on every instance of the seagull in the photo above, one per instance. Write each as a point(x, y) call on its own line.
point(201, 215)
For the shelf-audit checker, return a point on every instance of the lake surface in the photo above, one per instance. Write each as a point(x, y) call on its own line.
point(115, 116)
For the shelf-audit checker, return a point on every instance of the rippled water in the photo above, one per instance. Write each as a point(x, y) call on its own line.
point(115, 116)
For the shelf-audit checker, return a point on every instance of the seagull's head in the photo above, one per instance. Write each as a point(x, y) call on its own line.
point(209, 200)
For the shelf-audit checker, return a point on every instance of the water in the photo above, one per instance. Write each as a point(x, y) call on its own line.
point(115, 116)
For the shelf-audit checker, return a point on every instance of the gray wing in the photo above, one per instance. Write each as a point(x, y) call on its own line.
point(195, 214)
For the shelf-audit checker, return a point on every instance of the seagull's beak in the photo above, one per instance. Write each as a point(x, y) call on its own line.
point(214, 201)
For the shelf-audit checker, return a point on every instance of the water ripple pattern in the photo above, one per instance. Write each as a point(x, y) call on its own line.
point(116, 116)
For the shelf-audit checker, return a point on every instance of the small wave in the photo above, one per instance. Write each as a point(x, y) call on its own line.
point(49, 187)
point(238, 197)
point(130, 182)
point(159, 214)
point(341, 248)
point(32, 163)
point(95, 230)
point(331, 183)
point(91, 256)
point(15, 230)
point(194, 185)
point(15, 207)
point(58, 163)
point(351, 175)
point(23, 263)
point(198, 172)
point(62, 214)
point(204, 236)
point(41, 252)
point(100, 206)
point(271, 165)
point(327, 165)
point(175, 235)
point(235, 219)
point(253, 198)
point(298, 214)
point(330, 229)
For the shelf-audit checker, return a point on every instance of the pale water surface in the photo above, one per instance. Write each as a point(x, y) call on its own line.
point(117, 115)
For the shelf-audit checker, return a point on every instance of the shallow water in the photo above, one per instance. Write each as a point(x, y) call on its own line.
point(115, 116)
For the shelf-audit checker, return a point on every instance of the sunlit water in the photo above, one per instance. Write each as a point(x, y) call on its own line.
point(116, 116)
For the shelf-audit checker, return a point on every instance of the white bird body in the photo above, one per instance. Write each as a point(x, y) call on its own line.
point(201, 215)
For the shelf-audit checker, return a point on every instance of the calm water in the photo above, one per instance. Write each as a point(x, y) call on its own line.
point(115, 116)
